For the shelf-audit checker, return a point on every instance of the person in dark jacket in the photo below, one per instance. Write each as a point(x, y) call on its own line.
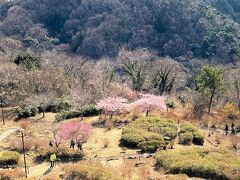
point(72, 144)
point(50, 144)
point(226, 129)
point(233, 130)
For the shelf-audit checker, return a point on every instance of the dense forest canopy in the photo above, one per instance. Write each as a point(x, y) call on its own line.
point(204, 29)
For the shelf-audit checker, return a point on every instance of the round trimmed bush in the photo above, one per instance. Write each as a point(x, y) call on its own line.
point(131, 139)
point(152, 136)
point(151, 146)
point(188, 127)
point(198, 139)
point(186, 138)
point(192, 132)
point(148, 129)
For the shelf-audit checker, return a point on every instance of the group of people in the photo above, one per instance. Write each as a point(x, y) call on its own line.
point(233, 131)
point(73, 143)
point(53, 156)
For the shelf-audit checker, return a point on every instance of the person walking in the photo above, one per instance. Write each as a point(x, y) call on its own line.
point(72, 144)
point(233, 130)
point(226, 129)
point(53, 159)
point(50, 144)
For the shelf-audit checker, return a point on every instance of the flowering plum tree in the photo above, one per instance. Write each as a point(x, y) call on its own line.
point(79, 132)
point(113, 105)
point(148, 103)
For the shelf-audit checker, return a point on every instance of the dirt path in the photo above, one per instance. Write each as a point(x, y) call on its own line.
point(7, 133)
point(43, 169)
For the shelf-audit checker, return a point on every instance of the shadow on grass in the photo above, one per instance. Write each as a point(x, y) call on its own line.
point(48, 171)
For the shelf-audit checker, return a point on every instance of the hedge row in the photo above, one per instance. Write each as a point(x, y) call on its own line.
point(28, 111)
point(148, 133)
point(85, 111)
point(216, 164)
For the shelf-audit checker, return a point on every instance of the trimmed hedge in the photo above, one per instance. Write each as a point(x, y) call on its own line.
point(190, 134)
point(88, 110)
point(216, 164)
point(152, 145)
point(148, 129)
point(9, 158)
point(186, 138)
point(132, 139)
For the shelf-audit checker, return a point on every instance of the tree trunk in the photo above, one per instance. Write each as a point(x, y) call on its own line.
point(147, 113)
point(211, 101)
point(238, 92)
point(111, 116)
point(43, 114)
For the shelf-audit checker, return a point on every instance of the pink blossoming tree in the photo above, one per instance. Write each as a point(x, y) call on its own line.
point(148, 103)
point(77, 131)
point(112, 105)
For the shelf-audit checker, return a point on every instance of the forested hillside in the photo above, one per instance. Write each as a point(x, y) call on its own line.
point(203, 29)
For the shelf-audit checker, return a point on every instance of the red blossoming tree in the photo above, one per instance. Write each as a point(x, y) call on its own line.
point(112, 105)
point(148, 103)
point(77, 131)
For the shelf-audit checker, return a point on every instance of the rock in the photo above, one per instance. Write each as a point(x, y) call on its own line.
point(146, 155)
point(112, 159)
point(132, 157)
point(140, 163)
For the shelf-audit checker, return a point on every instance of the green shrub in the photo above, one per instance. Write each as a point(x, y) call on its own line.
point(190, 132)
point(131, 139)
point(147, 129)
point(9, 158)
point(198, 139)
point(85, 111)
point(188, 127)
point(171, 104)
point(152, 145)
point(57, 107)
point(29, 61)
point(89, 110)
point(215, 164)
point(26, 112)
point(183, 99)
point(186, 138)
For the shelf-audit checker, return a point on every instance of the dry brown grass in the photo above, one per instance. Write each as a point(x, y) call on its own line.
point(109, 125)
point(11, 174)
point(88, 171)
point(53, 176)
point(31, 143)
point(106, 143)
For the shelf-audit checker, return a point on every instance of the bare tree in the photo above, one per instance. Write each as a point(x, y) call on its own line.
point(167, 75)
point(134, 64)
point(234, 77)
